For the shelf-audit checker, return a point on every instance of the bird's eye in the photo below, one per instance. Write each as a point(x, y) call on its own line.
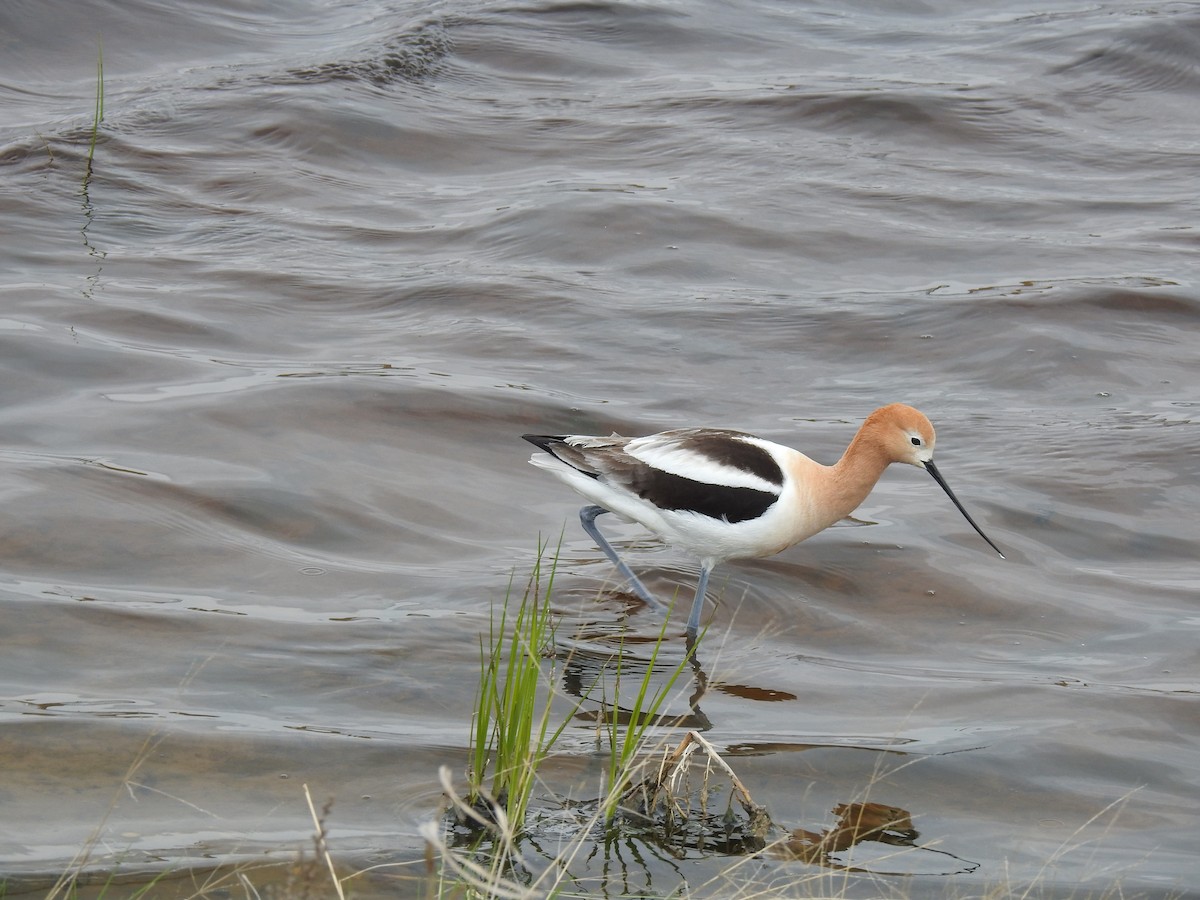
point(916, 442)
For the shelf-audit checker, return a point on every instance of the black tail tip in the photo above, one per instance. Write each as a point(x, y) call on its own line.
point(542, 441)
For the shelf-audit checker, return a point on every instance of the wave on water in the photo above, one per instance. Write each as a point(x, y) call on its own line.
point(411, 55)
point(1162, 56)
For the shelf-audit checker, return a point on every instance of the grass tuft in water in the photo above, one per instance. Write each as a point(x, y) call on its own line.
point(512, 734)
point(627, 744)
point(511, 731)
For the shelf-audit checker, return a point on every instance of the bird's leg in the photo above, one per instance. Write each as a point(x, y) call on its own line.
point(693, 624)
point(587, 516)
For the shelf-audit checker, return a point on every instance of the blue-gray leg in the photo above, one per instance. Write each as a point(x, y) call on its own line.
point(693, 625)
point(587, 516)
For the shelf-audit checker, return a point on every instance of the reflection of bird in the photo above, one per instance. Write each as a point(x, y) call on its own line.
point(727, 495)
point(857, 822)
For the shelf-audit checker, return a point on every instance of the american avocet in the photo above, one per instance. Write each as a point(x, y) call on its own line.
point(720, 494)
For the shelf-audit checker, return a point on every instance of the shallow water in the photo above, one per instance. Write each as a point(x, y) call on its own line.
point(263, 381)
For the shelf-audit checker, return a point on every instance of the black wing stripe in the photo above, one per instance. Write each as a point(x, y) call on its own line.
point(717, 501)
point(728, 449)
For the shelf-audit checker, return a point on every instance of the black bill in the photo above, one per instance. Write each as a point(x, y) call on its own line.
point(937, 476)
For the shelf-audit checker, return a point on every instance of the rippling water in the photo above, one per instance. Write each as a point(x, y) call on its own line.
point(265, 370)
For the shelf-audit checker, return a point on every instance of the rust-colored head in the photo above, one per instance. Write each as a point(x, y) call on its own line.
point(905, 435)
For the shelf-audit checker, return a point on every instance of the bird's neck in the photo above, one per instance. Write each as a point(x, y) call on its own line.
point(853, 476)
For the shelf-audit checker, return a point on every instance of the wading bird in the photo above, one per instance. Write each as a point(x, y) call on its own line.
point(720, 494)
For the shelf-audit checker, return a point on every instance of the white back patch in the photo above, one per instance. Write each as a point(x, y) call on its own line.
point(664, 452)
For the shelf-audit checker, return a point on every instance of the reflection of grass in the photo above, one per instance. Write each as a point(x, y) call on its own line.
point(775, 872)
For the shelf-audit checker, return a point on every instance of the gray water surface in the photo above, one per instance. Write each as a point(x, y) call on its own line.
point(263, 376)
